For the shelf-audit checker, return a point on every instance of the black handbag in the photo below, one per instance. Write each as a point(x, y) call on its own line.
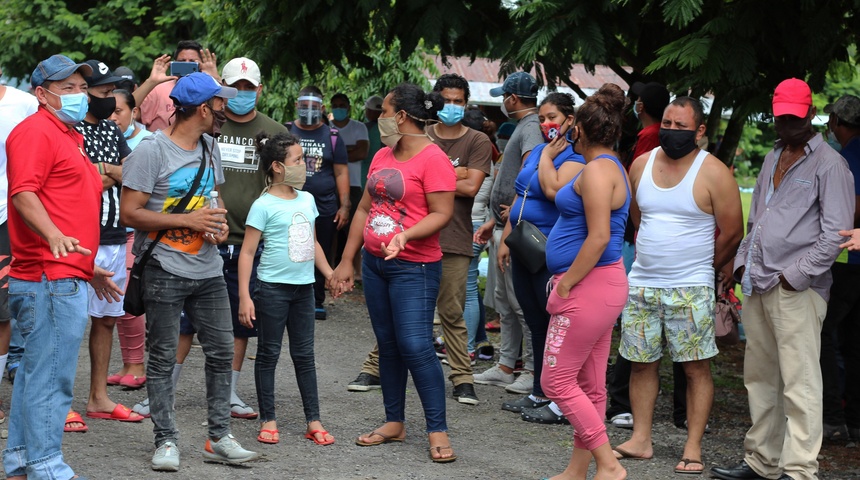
point(527, 242)
point(133, 300)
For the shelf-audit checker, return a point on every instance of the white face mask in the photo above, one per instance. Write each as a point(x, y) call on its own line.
point(508, 114)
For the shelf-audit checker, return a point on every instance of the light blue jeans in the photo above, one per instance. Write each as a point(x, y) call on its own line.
point(474, 311)
point(52, 318)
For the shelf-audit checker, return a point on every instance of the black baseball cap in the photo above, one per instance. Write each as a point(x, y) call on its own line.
point(101, 74)
point(654, 97)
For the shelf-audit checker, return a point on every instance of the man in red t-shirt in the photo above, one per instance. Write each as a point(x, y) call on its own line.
point(55, 200)
point(653, 99)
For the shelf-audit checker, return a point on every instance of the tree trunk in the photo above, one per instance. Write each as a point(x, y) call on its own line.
point(712, 125)
point(731, 137)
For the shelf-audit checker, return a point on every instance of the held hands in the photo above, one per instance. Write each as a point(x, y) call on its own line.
point(62, 245)
point(395, 246)
point(341, 280)
point(104, 286)
point(247, 314)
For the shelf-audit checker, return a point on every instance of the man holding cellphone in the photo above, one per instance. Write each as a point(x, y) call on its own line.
point(156, 110)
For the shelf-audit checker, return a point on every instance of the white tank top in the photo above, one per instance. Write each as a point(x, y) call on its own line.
point(675, 243)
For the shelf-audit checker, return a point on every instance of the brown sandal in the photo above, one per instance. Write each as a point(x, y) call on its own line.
point(385, 439)
point(438, 450)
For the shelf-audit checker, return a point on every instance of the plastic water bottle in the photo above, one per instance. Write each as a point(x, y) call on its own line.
point(213, 203)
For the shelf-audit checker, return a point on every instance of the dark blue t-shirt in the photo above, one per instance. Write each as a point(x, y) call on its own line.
point(320, 160)
point(570, 231)
point(539, 210)
point(851, 153)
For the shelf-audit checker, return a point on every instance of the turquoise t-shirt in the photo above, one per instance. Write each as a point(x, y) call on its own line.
point(288, 237)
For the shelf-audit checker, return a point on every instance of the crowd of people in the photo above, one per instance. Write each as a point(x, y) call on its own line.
point(232, 225)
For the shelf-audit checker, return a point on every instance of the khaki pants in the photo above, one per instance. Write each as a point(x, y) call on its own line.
point(783, 380)
point(450, 304)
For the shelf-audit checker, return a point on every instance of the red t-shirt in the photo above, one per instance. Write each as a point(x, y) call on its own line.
point(397, 193)
point(46, 157)
point(649, 139)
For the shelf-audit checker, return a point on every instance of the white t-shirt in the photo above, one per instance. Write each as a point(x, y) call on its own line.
point(15, 106)
point(351, 134)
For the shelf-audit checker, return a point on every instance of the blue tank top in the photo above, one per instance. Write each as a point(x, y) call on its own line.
point(570, 231)
point(539, 210)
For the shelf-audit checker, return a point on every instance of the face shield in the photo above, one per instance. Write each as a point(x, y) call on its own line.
point(309, 108)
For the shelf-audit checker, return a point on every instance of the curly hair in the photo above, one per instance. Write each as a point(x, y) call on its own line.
point(563, 101)
point(602, 115)
point(419, 106)
point(452, 80)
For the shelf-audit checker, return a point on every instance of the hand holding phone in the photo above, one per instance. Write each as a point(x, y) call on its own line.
point(181, 69)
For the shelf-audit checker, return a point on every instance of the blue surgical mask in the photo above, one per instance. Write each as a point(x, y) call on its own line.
point(833, 142)
point(451, 114)
point(243, 102)
point(74, 107)
point(635, 111)
point(340, 114)
point(128, 131)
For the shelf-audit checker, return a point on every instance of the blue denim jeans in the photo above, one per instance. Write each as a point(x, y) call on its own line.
point(401, 312)
point(52, 317)
point(206, 305)
point(474, 312)
point(281, 306)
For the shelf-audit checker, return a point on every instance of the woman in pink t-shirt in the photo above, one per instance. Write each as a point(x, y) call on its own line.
point(409, 198)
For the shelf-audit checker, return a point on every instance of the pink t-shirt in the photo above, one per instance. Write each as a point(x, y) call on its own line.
point(157, 108)
point(397, 200)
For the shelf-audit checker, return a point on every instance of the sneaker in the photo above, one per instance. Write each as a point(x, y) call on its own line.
point(142, 408)
point(622, 420)
point(465, 393)
point(472, 360)
point(227, 450)
point(363, 383)
point(523, 384)
point(494, 376)
point(485, 351)
point(11, 371)
point(517, 406)
point(835, 433)
point(439, 346)
point(166, 458)
point(320, 313)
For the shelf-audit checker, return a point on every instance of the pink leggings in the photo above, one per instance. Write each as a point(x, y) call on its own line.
point(574, 366)
point(131, 330)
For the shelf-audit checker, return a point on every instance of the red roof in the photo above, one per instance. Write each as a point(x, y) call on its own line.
point(486, 70)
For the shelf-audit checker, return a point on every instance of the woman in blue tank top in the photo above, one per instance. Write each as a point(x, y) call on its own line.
point(589, 285)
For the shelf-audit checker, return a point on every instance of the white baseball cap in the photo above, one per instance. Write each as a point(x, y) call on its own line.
point(241, 69)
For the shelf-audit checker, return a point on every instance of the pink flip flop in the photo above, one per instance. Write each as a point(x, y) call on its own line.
point(133, 382)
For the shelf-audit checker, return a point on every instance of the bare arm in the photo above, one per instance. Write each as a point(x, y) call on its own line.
point(441, 208)
point(33, 213)
point(247, 312)
point(133, 213)
point(358, 152)
point(552, 180)
point(156, 76)
point(728, 214)
point(468, 187)
point(341, 179)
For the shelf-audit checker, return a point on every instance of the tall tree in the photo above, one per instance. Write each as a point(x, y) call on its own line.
point(118, 32)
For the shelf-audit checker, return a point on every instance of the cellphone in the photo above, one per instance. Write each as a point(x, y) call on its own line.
point(181, 69)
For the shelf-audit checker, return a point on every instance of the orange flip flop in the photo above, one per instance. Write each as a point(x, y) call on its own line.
point(75, 417)
point(312, 436)
point(120, 413)
point(272, 440)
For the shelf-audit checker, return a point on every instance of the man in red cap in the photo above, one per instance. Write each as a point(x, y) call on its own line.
point(803, 197)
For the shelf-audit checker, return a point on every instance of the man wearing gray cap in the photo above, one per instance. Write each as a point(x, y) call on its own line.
point(180, 166)
point(841, 328)
point(55, 199)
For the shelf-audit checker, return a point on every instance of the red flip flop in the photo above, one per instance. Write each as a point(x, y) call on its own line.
point(272, 440)
point(75, 417)
point(312, 435)
point(120, 413)
point(132, 381)
point(114, 379)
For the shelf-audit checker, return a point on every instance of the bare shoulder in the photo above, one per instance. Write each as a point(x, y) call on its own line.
point(638, 166)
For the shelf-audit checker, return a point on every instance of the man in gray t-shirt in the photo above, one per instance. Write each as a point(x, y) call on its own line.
point(519, 102)
point(185, 270)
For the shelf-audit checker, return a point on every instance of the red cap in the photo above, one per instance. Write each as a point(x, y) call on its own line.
point(792, 97)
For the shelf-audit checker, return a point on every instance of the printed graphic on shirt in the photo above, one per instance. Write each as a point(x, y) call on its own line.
point(238, 153)
point(184, 239)
point(314, 152)
point(388, 212)
point(301, 245)
point(102, 145)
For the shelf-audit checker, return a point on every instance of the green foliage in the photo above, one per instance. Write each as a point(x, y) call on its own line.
point(118, 32)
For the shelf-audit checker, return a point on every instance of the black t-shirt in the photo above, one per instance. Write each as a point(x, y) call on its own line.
point(104, 142)
point(320, 160)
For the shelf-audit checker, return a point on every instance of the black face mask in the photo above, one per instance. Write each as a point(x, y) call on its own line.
point(677, 143)
point(102, 108)
point(793, 130)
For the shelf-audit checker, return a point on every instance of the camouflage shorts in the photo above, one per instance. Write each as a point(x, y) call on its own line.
point(685, 316)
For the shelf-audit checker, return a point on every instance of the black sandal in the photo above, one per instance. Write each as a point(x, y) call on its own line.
point(544, 415)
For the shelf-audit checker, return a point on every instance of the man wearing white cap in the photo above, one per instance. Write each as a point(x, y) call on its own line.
point(243, 182)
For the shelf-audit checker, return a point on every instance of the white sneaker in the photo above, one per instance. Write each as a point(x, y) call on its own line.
point(495, 376)
point(622, 420)
point(142, 408)
point(166, 458)
point(523, 384)
point(227, 450)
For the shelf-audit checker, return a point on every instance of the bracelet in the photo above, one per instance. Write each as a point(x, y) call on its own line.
point(101, 168)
